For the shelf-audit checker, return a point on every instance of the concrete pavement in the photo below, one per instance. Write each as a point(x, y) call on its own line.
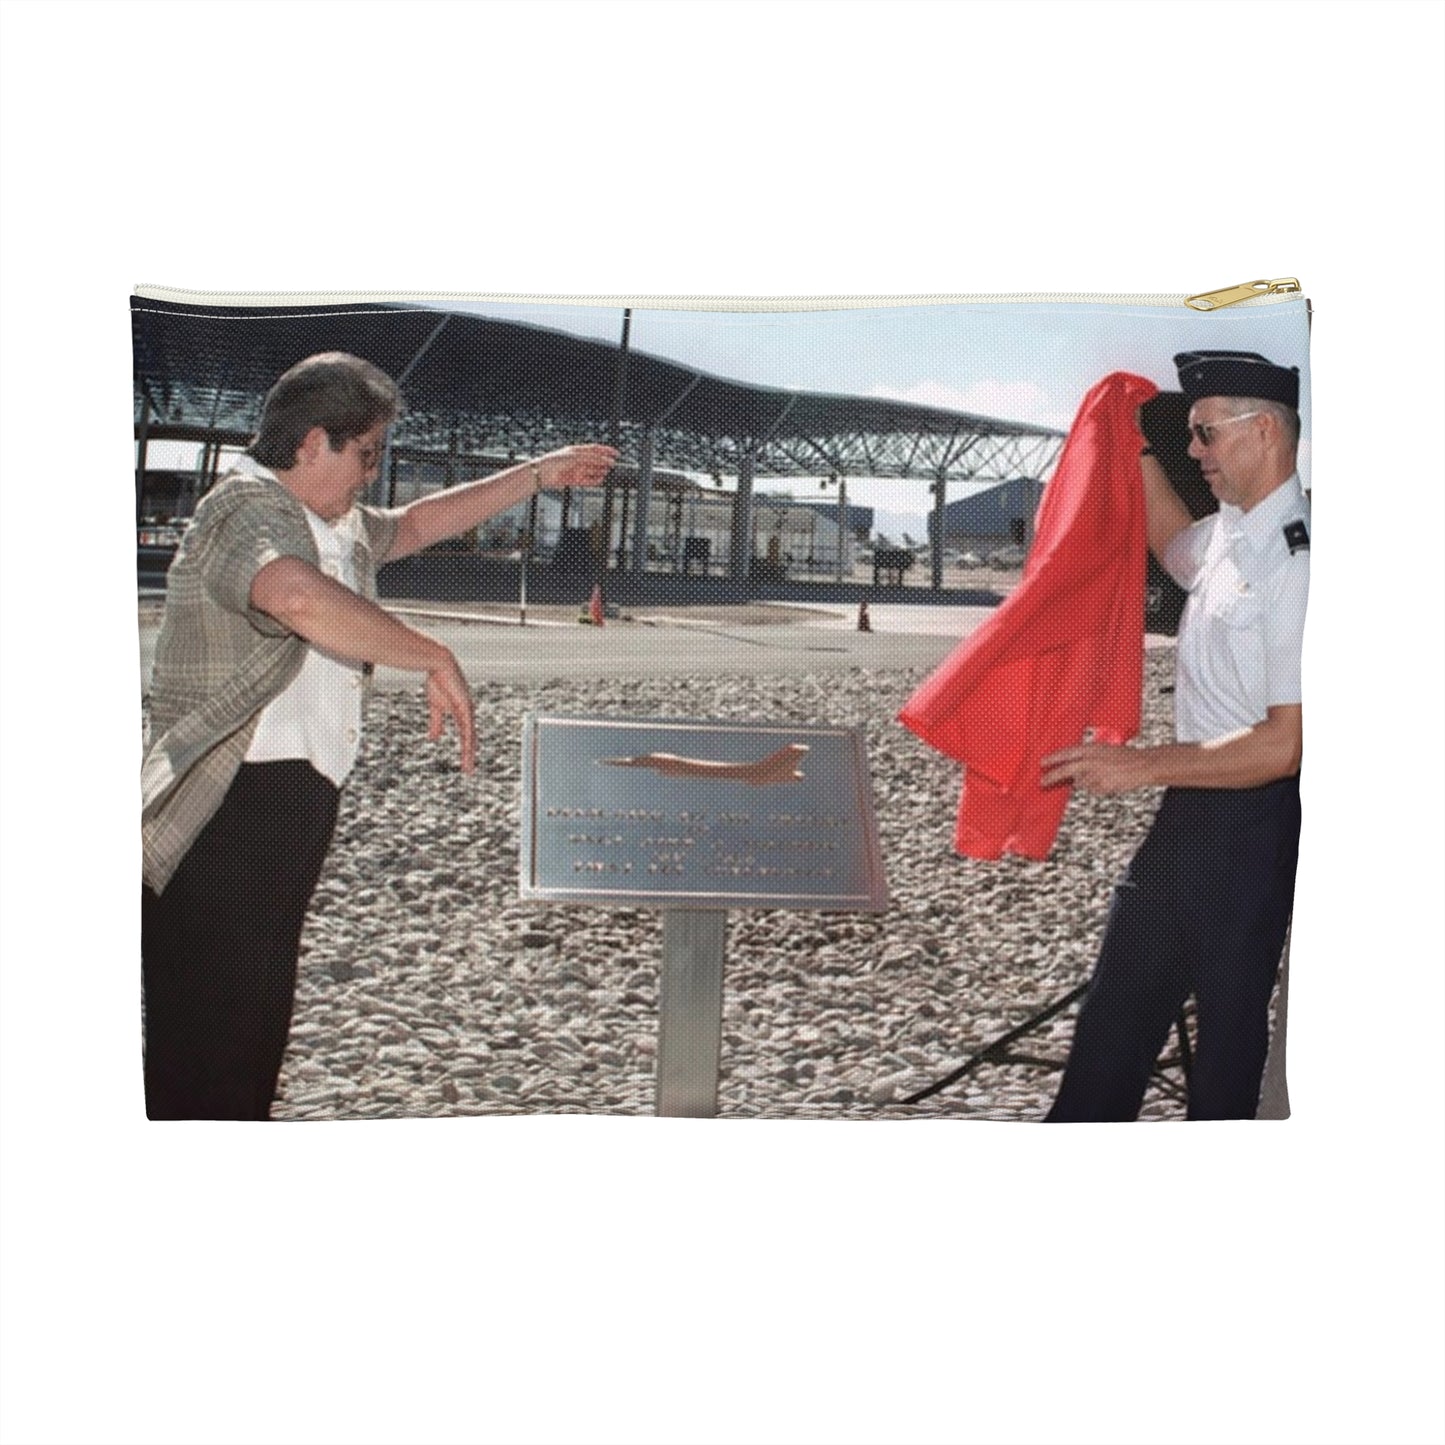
point(672, 644)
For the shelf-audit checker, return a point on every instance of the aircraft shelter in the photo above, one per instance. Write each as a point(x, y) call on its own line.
point(481, 391)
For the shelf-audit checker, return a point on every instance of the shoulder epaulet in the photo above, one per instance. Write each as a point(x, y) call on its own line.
point(1297, 536)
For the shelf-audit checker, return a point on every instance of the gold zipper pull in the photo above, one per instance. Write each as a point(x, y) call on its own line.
point(1213, 300)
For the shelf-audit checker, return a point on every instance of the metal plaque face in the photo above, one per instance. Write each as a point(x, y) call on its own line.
point(698, 815)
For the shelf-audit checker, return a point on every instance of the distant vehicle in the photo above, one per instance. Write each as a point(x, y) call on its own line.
point(156, 544)
point(891, 563)
point(152, 533)
point(1007, 557)
point(963, 559)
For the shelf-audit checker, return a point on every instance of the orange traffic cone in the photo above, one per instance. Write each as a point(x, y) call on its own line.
point(864, 625)
point(594, 607)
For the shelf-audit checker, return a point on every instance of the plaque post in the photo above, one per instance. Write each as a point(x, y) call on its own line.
point(689, 1037)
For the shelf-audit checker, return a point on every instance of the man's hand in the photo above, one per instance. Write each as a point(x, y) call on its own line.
point(579, 466)
point(448, 696)
point(1249, 758)
point(1097, 767)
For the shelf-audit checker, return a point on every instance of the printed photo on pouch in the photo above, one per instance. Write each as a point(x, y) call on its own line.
point(842, 709)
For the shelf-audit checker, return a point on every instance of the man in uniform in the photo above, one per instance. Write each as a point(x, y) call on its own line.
point(1205, 902)
point(270, 632)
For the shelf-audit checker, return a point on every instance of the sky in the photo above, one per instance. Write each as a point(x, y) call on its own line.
point(1028, 362)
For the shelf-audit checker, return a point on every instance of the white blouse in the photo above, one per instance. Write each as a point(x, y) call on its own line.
point(318, 717)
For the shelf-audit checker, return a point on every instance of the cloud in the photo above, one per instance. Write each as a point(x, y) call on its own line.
point(989, 396)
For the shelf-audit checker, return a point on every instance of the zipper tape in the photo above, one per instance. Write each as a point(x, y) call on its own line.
point(1250, 293)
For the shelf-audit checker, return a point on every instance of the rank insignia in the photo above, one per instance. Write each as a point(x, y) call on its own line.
point(1298, 537)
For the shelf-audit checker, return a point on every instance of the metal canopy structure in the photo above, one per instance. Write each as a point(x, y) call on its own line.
point(476, 387)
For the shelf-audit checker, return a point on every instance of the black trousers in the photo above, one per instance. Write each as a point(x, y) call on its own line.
point(219, 945)
point(1202, 909)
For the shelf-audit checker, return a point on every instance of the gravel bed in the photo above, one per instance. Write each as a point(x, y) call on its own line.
point(428, 988)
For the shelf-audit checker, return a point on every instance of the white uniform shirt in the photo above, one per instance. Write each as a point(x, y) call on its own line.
point(318, 717)
point(1242, 632)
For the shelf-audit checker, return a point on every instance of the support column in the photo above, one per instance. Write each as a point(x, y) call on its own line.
point(614, 439)
point(619, 554)
point(140, 457)
point(643, 504)
point(940, 489)
point(740, 547)
point(196, 485)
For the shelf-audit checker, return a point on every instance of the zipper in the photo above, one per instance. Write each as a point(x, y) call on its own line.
point(1250, 292)
point(1233, 295)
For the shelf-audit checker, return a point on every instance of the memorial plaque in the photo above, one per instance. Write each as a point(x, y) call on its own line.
point(698, 815)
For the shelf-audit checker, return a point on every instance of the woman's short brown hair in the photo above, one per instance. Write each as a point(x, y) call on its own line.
point(343, 394)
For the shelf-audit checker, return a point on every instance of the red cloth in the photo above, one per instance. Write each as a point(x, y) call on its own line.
point(1064, 652)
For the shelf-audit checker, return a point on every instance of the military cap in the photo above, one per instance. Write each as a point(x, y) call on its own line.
point(1236, 373)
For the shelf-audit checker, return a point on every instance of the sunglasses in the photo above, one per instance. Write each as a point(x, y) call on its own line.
point(1203, 432)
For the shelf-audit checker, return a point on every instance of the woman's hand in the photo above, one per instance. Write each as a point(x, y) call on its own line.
point(579, 466)
point(448, 696)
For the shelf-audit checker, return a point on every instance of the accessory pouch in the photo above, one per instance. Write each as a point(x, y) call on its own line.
point(881, 708)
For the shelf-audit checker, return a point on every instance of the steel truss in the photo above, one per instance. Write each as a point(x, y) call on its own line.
point(483, 391)
point(966, 456)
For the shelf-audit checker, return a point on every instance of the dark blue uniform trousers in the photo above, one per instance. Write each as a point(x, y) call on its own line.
point(1202, 909)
